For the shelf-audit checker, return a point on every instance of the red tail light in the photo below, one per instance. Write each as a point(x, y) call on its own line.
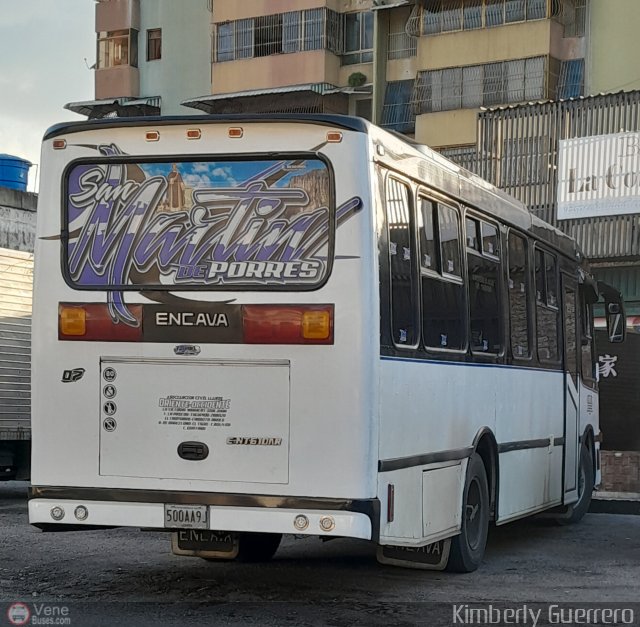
point(93, 322)
point(288, 324)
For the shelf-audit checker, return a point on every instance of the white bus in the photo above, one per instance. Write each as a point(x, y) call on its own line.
point(255, 326)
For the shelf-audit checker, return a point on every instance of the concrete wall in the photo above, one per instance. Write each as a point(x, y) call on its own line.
point(313, 66)
point(116, 82)
point(184, 71)
point(227, 10)
point(17, 219)
point(614, 46)
point(117, 15)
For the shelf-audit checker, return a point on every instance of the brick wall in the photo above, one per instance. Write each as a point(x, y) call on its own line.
point(620, 471)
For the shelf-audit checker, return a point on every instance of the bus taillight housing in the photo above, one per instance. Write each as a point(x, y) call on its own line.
point(92, 322)
point(288, 324)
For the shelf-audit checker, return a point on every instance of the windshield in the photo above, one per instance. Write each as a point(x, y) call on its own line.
point(226, 223)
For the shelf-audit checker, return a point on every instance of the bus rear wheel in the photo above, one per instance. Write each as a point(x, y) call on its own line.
point(258, 547)
point(577, 511)
point(467, 548)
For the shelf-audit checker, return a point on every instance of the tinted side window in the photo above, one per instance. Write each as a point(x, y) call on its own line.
point(484, 287)
point(401, 253)
point(518, 296)
point(547, 306)
point(443, 305)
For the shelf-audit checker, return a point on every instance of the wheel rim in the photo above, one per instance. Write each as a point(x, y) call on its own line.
point(473, 515)
point(582, 480)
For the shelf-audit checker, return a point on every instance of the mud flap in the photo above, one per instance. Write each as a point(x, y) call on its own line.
point(432, 556)
point(222, 545)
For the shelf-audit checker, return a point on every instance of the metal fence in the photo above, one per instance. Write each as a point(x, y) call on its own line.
point(401, 46)
point(518, 151)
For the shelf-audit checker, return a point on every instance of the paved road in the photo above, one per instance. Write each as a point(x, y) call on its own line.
point(308, 582)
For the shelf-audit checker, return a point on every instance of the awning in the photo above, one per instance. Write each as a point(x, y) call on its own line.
point(210, 103)
point(117, 107)
point(392, 5)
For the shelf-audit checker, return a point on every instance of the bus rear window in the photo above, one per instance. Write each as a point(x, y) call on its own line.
point(234, 224)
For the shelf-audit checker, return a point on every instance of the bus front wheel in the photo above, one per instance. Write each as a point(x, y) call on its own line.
point(585, 489)
point(467, 548)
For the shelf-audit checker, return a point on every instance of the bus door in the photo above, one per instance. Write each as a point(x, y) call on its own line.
point(571, 387)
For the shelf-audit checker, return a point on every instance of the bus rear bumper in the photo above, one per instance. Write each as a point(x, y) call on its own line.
point(61, 513)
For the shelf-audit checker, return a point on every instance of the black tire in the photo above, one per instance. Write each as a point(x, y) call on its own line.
point(585, 489)
point(467, 548)
point(258, 547)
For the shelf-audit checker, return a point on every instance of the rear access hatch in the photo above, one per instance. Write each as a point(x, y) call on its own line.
point(194, 419)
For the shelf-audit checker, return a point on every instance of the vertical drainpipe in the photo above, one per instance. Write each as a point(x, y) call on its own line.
point(380, 44)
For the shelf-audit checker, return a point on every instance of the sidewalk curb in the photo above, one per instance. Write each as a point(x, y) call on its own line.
point(615, 503)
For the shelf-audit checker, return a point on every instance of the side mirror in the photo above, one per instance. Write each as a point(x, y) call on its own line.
point(614, 313)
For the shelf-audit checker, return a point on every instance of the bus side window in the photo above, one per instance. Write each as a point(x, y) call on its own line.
point(484, 288)
point(547, 306)
point(401, 263)
point(518, 296)
point(443, 323)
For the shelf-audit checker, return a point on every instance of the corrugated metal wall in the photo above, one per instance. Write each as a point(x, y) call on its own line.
point(16, 280)
point(518, 151)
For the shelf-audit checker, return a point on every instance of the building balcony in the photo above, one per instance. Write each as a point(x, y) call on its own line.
point(116, 82)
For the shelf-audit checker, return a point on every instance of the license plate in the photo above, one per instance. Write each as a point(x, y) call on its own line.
point(209, 544)
point(186, 516)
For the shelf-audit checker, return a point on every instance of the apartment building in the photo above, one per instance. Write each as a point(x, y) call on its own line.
point(291, 56)
point(421, 67)
point(150, 55)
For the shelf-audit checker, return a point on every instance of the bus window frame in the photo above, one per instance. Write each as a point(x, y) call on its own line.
point(479, 218)
point(438, 199)
point(531, 337)
point(415, 274)
point(556, 363)
point(195, 158)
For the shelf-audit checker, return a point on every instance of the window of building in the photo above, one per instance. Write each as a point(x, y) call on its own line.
point(224, 41)
point(472, 14)
point(244, 39)
point(154, 44)
point(401, 45)
point(118, 47)
point(455, 15)
point(267, 35)
point(443, 320)
point(304, 30)
point(480, 85)
point(358, 47)
point(313, 24)
point(518, 296)
point(295, 31)
point(484, 287)
point(402, 263)
point(546, 306)
point(571, 79)
point(397, 112)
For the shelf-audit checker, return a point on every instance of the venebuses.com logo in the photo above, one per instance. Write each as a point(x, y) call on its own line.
point(38, 614)
point(18, 614)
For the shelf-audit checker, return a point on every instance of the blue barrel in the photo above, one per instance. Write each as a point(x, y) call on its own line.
point(14, 172)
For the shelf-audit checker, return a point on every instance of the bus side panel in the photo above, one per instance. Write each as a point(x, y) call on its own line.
point(434, 407)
